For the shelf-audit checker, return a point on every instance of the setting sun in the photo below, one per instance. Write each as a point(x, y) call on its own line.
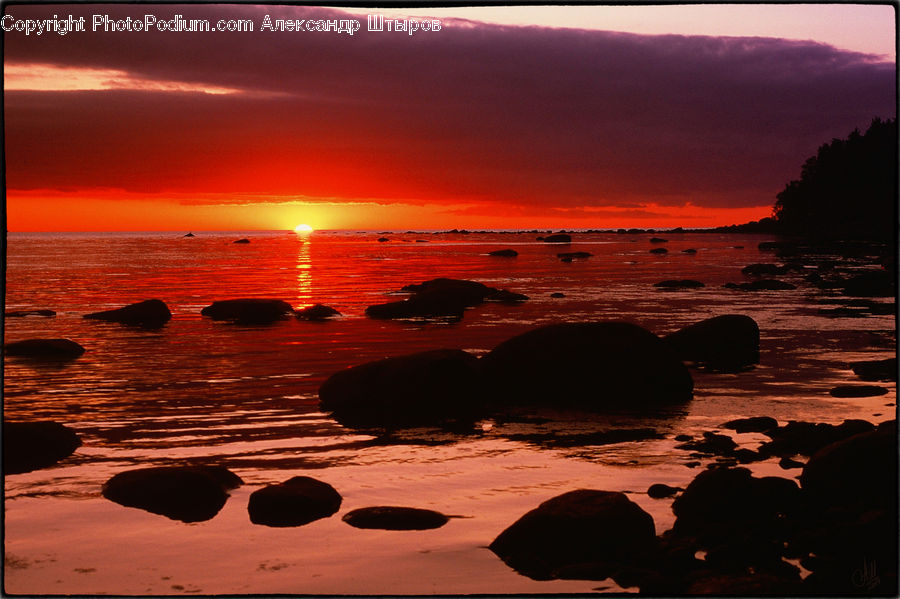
point(303, 229)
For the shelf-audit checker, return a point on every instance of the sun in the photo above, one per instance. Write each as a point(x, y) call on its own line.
point(303, 228)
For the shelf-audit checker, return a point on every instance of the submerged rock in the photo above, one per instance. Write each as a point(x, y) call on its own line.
point(316, 312)
point(858, 391)
point(727, 343)
point(395, 518)
point(504, 253)
point(185, 493)
point(429, 387)
point(148, 313)
point(31, 446)
point(578, 527)
point(23, 313)
point(590, 365)
point(44, 349)
point(248, 311)
point(295, 502)
point(679, 284)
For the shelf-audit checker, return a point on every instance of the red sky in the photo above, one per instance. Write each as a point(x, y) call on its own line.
point(476, 126)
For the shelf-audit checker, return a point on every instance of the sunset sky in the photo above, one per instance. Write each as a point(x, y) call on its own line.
point(508, 117)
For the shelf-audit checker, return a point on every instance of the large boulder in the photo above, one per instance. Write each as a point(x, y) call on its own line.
point(395, 518)
point(185, 493)
point(430, 387)
point(248, 311)
point(876, 370)
point(148, 313)
point(30, 446)
point(588, 365)
point(295, 502)
point(44, 349)
point(727, 343)
point(578, 527)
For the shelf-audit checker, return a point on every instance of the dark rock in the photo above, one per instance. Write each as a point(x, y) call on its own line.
point(573, 255)
point(395, 518)
point(248, 311)
point(589, 365)
point(21, 313)
point(762, 285)
point(506, 297)
point(558, 238)
point(876, 370)
point(186, 493)
point(858, 391)
point(746, 456)
point(756, 424)
point(658, 240)
point(557, 294)
point(727, 343)
point(871, 284)
point(44, 349)
point(659, 251)
point(316, 312)
point(761, 270)
point(148, 313)
point(689, 251)
point(383, 239)
point(711, 443)
point(295, 502)
point(244, 240)
point(441, 298)
point(683, 438)
point(787, 463)
point(807, 438)
point(504, 253)
point(679, 284)
point(556, 439)
point(423, 388)
point(660, 491)
point(859, 468)
point(31, 446)
point(189, 235)
point(578, 527)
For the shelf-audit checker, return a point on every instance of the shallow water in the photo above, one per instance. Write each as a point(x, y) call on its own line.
point(245, 397)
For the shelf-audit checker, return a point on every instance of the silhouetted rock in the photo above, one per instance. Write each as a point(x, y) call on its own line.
point(762, 270)
point(727, 343)
point(578, 527)
point(876, 370)
point(395, 518)
point(295, 502)
point(423, 388)
point(660, 491)
point(383, 239)
point(756, 424)
point(689, 251)
point(148, 313)
point(504, 253)
point(248, 311)
point(679, 284)
point(787, 463)
point(186, 493)
point(590, 365)
point(879, 283)
point(659, 251)
point(441, 298)
point(761, 285)
point(506, 297)
point(558, 238)
point(44, 349)
point(189, 235)
point(658, 240)
point(244, 240)
point(711, 443)
point(807, 438)
point(316, 312)
point(573, 255)
point(557, 294)
point(30, 446)
point(22, 313)
point(858, 391)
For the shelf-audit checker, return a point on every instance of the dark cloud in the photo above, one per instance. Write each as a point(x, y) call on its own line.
point(530, 116)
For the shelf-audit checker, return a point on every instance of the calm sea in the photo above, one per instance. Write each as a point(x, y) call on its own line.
point(245, 397)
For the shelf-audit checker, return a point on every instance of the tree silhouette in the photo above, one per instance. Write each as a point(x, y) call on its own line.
point(847, 190)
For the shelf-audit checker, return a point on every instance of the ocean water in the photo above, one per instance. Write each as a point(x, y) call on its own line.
point(245, 397)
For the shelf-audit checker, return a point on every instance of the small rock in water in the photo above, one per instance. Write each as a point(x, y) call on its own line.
point(316, 312)
point(689, 251)
point(557, 238)
point(858, 391)
point(31, 446)
point(395, 518)
point(383, 239)
point(148, 313)
point(679, 284)
point(756, 424)
point(557, 294)
point(660, 491)
point(876, 370)
point(185, 493)
point(569, 256)
point(44, 349)
point(504, 253)
point(659, 251)
point(244, 240)
point(248, 311)
point(189, 235)
point(658, 240)
point(22, 313)
point(761, 285)
point(295, 502)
